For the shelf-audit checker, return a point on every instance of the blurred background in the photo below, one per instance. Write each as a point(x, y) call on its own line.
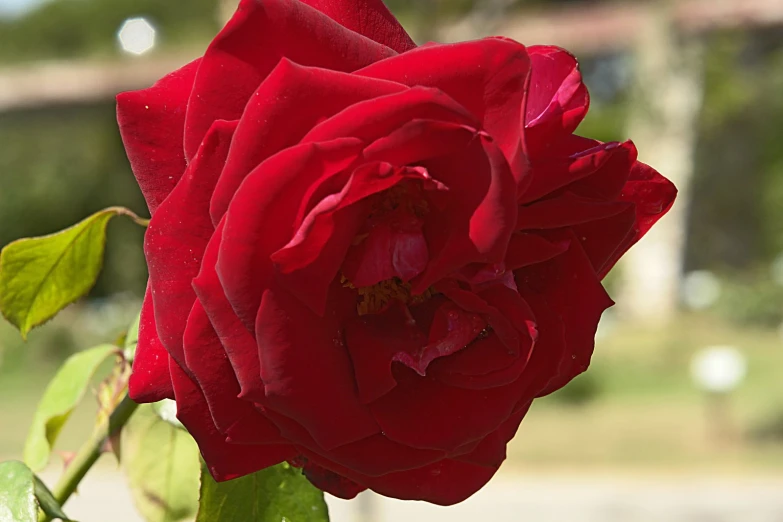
point(680, 417)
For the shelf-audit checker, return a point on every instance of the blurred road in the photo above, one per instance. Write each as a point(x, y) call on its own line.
point(512, 498)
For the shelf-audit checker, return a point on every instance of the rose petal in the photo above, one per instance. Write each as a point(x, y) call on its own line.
point(152, 126)
point(225, 461)
point(470, 301)
point(488, 77)
point(307, 372)
point(551, 357)
point(331, 482)
point(375, 341)
point(602, 239)
point(529, 248)
point(150, 380)
point(177, 236)
point(477, 219)
point(373, 456)
point(491, 451)
point(369, 18)
point(566, 210)
point(575, 159)
point(311, 260)
point(574, 293)
point(390, 113)
point(239, 420)
point(239, 344)
point(652, 194)
point(271, 194)
point(488, 362)
point(251, 45)
point(390, 250)
point(608, 181)
point(558, 99)
point(445, 482)
point(420, 411)
point(267, 125)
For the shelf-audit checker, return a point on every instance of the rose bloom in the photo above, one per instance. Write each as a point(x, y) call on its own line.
point(368, 258)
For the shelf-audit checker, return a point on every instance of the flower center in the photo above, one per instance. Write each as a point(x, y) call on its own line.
point(377, 298)
point(406, 198)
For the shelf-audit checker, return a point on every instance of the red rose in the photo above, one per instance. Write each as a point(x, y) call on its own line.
point(367, 258)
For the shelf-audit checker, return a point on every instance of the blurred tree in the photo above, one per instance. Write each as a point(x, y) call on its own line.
point(663, 121)
point(78, 28)
point(737, 217)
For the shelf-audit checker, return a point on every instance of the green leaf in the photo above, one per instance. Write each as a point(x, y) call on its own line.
point(279, 493)
point(21, 494)
point(17, 493)
point(131, 340)
point(47, 502)
point(162, 465)
point(42, 275)
point(62, 395)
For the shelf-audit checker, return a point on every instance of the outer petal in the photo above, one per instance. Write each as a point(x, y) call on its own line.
point(558, 100)
point(329, 481)
point(150, 380)
point(445, 482)
point(225, 461)
point(369, 18)
point(488, 77)
point(602, 239)
point(574, 293)
point(373, 456)
point(608, 181)
point(206, 359)
point(652, 194)
point(420, 411)
point(152, 123)
point(576, 158)
point(251, 45)
point(530, 248)
point(551, 355)
point(566, 210)
point(491, 452)
point(178, 235)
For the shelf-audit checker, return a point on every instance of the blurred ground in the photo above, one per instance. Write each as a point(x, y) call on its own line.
point(522, 497)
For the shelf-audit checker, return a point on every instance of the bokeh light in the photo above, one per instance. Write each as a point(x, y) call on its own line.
point(700, 289)
point(718, 369)
point(136, 36)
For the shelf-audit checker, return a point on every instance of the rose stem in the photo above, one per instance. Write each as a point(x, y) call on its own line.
point(90, 451)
